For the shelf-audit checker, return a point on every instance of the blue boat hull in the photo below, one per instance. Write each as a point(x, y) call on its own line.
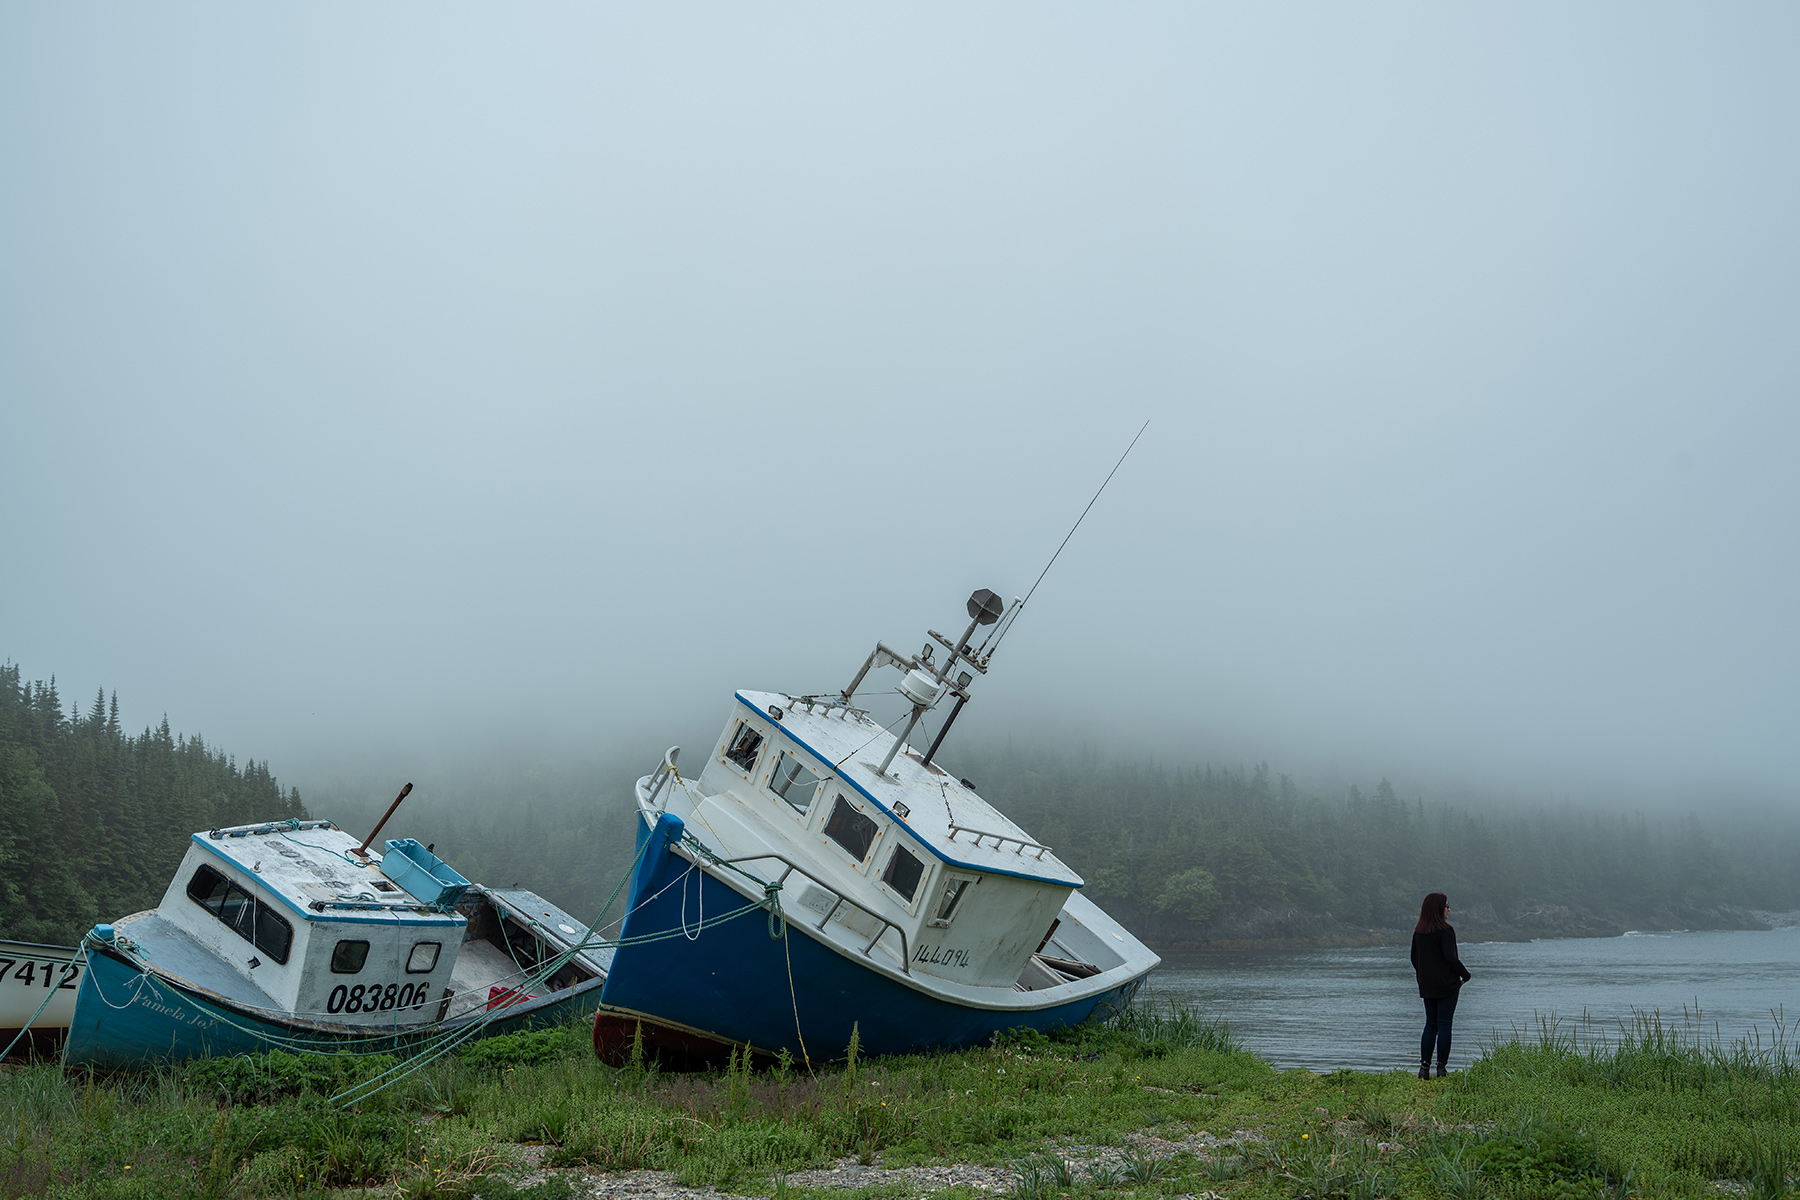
point(733, 983)
point(125, 1017)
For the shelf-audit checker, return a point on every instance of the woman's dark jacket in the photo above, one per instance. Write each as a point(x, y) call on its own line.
point(1434, 959)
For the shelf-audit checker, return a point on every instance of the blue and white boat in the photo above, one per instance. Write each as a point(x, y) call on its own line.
point(291, 935)
point(820, 875)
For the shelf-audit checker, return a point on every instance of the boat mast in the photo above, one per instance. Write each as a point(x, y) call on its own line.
point(924, 687)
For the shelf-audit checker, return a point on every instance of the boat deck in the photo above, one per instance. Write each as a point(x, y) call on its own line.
point(551, 923)
point(177, 953)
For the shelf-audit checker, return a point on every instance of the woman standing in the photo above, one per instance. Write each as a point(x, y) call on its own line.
point(1441, 974)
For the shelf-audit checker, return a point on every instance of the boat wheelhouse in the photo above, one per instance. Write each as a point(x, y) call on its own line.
point(902, 904)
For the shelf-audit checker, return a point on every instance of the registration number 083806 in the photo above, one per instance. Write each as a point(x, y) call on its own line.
point(376, 997)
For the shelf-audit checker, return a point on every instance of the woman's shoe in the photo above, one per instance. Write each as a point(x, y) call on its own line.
point(1443, 1070)
point(1425, 1069)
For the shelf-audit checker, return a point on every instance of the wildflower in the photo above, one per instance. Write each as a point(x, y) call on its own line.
point(128, 1166)
point(1304, 1136)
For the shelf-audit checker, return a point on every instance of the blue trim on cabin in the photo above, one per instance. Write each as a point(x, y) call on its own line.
point(731, 981)
point(386, 917)
point(835, 773)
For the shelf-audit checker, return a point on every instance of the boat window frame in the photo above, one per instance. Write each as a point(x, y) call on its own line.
point(800, 767)
point(437, 954)
point(360, 963)
point(940, 918)
point(909, 903)
point(844, 797)
point(266, 925)
point(731, 744)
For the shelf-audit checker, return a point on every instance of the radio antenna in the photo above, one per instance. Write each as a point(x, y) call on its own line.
point(1017, 605)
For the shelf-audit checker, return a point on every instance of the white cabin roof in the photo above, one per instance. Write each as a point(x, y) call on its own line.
point(950, 820)
point(309, 869)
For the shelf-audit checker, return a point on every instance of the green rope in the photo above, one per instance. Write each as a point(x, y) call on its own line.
point(49, 996)
point(435, 1043)
point(428, 1039)
point(361, 1092)
point(777, 929)
point(777, 919)
point(771, 891)
point(436, 1051)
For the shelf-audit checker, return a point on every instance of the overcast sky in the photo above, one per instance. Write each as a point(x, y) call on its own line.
point(374, 378)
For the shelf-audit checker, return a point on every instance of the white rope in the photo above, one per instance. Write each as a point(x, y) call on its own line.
point(700, 902)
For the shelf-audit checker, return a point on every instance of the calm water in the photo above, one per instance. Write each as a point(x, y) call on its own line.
point(1325, 1009)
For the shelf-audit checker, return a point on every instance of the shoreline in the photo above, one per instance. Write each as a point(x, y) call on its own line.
point(1560, 925)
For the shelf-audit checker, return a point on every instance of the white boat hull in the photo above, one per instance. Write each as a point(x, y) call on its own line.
point(37, 995)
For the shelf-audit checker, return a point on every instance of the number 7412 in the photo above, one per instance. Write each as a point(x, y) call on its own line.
point(33, 971)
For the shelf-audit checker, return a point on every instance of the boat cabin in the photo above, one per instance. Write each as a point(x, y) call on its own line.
point(910, 859)
point(325, 934)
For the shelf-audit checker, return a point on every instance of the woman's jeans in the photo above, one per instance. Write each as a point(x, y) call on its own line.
point(1438, 1015)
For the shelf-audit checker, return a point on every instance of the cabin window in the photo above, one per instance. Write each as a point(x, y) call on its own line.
point(851, 829)
point(954, 887)
point(903, 872)
point(243, 913)
point(347, 958)
point(424, 956)
point(745, 747)
point(793, 782)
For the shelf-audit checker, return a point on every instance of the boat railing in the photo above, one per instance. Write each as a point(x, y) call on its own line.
point(1000, 839)
point(795, 868)
point(663, 776)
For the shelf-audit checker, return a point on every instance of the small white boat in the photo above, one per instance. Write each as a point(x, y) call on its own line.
point(37, 996)
point(291, 935)
point(897, 902)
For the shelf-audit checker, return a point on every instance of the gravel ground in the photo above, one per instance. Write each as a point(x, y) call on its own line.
point(849, 1174)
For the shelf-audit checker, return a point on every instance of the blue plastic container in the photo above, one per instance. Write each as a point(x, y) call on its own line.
point(424, 875)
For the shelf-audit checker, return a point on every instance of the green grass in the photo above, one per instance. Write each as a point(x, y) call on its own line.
point(1646, 1110)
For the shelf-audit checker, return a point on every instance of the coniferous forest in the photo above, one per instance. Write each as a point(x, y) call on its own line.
point(1210, 855)
point(93, 822)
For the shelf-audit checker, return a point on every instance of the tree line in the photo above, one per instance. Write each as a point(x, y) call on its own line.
point(1175, 851)
point(1181, 854)
point(94, 821)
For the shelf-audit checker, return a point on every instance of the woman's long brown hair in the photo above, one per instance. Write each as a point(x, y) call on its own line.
point(1432, 914)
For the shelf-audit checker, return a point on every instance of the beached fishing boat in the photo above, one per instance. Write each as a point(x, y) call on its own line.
point(292, 935)
point(820, 875)
point(37, 996)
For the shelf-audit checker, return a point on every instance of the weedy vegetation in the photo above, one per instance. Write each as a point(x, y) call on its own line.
point(1159, 1101)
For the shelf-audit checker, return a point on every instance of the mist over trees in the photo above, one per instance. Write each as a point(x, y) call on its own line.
point(1189, 854)
point(563, 830)
point(1204, 853)
point(93, 823)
